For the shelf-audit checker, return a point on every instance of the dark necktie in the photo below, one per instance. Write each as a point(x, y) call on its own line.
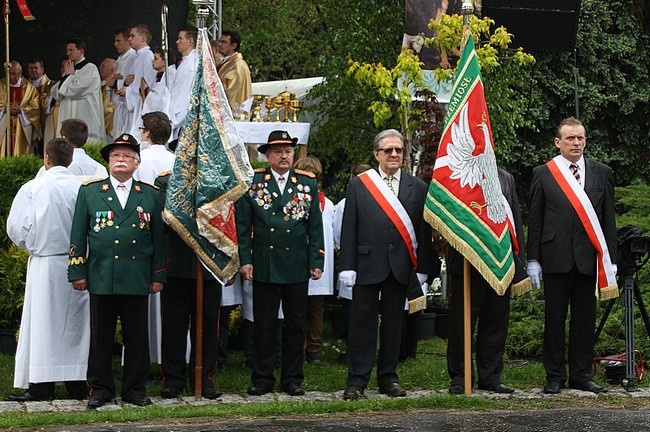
point(389, 182)
point(574, 170)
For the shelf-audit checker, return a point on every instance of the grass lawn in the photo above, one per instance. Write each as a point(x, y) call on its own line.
point(428, 371)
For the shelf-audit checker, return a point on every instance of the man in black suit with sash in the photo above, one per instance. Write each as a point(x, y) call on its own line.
point(386, 251)
point(564, 241)
point(281, 246)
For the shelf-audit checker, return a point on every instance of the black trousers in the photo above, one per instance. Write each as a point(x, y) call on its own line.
point(492, 312)
point(266, 302)
point(362, 339)
point(133, 311)
point(560, 291)
point(178, 312)
point(45, 390)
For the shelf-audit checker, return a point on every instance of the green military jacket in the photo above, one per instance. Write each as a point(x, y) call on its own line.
point(281, 235)
point(120, 251)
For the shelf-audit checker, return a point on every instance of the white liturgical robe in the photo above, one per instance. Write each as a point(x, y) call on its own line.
point(54, 338)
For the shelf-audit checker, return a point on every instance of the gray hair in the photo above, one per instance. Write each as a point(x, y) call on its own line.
point(385, 134)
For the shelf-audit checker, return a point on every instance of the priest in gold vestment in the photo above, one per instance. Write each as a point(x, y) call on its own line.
point(24, 113)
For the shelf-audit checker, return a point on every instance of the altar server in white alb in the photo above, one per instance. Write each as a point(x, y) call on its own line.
point(55, 329)
point(186, 44)
point(80, 91)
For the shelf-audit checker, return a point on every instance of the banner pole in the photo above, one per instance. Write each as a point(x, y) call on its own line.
point(467, 326)
point(198, 333)
point(8, 149)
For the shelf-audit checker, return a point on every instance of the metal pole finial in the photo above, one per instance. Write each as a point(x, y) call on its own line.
point(202, 12)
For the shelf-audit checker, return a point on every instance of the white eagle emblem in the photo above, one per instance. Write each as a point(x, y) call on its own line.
point(472, 170)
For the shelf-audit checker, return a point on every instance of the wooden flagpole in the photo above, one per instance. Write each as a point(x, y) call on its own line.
point(8, 141)
point(467, 326)
point(198, 333)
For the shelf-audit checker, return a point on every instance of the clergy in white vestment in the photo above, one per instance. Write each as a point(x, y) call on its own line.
point(142, 74)
point(80, 91)
point(83, 166)
point(180, 90)
point(122, 117)
point(157, 97)
point(54, 337)
point(154, 160)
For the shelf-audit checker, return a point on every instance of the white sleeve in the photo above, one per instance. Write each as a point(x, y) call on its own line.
point(21, 218)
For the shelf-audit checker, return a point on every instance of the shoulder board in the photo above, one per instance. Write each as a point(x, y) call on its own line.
point(164, 173)
point(149, 184)
point(86, 183)
point(305, 173)
point(260, 170)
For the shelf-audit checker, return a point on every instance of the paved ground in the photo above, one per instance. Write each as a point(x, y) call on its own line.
point(73, 405)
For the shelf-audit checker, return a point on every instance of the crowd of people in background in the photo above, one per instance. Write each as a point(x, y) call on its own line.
point(100, 251)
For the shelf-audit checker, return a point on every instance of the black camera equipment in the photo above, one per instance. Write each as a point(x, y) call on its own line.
point(633, 254)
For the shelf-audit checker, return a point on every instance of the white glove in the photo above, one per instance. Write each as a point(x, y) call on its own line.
point(535, 273)
point(348, 278)
point(422, 277)
point(615, 267)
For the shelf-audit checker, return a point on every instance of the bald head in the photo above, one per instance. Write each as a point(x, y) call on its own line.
point(15, 72)
point(107, 68)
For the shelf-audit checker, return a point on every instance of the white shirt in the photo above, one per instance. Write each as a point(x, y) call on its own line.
point(281, 184)
point(581, 168)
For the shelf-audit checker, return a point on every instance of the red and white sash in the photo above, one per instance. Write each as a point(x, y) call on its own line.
point(585, 210)
point(393, 208)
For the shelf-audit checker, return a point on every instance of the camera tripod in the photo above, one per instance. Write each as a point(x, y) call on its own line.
point(630, 292)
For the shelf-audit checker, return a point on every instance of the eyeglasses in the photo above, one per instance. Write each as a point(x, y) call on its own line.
point(122, 155)
point(142, 128)
point(389, 151)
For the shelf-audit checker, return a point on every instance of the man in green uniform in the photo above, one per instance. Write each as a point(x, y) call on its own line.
point(280, 232)
point(117, 253)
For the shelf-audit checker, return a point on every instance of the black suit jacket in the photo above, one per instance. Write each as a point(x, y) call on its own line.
point(556, 237)
point(370, 243)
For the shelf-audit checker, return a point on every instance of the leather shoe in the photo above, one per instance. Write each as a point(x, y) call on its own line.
point(25, 397)
point(499, 388)
point(553, 387)
point(352, 392)
point(169, 393)
point(294, 390)
point(96, 402)
point(456, 389)
point(392, 390)
point(258, 390)
point(589, 386)
point(139, 400)
point(211, 393)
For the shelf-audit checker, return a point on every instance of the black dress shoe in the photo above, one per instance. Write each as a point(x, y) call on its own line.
point(553, 387)
point(25, 397)
point(499, 388)
point(456, 389)
point(139, 400)
point(211, 393)
point(96, 402)
point(589, 386)
point(352, 392)
point(258, 390)
point(392, 390)
point(294, 390)
point(169, 393)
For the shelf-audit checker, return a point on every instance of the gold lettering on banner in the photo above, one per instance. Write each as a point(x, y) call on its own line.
point(184, 203)
point(458, 93)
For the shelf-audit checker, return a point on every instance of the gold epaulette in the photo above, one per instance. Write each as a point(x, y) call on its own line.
point(164, 173)
point(86, 183)
point(149, 184)
point(259, 170)
point(305, 173)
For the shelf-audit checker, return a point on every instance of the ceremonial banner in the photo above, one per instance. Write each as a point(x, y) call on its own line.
point(465, 203)
point(210, 173)
point(24, 10)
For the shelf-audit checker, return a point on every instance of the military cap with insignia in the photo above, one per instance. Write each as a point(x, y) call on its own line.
point(125, 140)
point(278, 137)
